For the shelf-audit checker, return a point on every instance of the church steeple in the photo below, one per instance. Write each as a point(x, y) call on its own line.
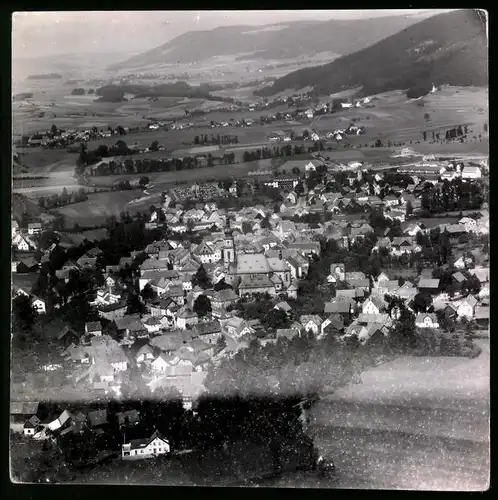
point(228, 246)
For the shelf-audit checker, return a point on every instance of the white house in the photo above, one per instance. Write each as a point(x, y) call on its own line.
point(34, 228)
point(161, 363)
point(39, 305)
point(346, 105)
point(469, 224)
point(145, 448)
point(20, 243)
point(471, 173)
point(466, 307)
point(373, 305)
point(59, 422)
point(145, 353)
point(311, 322)
point(31, 426)
point(426, 320)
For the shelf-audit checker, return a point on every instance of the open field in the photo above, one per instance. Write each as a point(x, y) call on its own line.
point(99, 207)
point(414, 423)
point(198, 174)
point(397, 118)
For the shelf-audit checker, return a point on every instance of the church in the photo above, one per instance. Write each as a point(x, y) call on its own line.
point(256, 273)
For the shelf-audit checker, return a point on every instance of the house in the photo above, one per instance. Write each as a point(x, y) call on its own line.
point(337, 273)
point(130, 417)
point(20, 413)
point(344, 307)
point(481, 316)
point(466, 307)
point(209, 331)
point(459, 277)
point(332, 322)
point(39, 305)
point(283, 306)
point(34, 228)
point(161, 363)
point(237, 327)
point(152, 324)
point(57, 423)
point(32, 426)
point(426, 320)
point(482, 273)
point(68, 336)
point(93, 328)
point(112, 312)
point(20, 243)
point(144, 354)
point(27, 265)
point(311, 322)
point(288, 333)
point(145, 448)
point(186, 318)
point(97, 418)
point(374, 305)
point(471, 172)
point(430, 285)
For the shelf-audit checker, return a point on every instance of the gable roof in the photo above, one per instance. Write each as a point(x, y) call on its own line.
point(144, 442)
point(97, 417)
point(431, 283)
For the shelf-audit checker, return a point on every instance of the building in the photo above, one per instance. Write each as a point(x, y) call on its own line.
point(93, 328)
point(34, 228)
point(20, 413)
point(426, 320)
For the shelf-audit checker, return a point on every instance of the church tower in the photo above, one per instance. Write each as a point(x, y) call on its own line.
point(228, 248)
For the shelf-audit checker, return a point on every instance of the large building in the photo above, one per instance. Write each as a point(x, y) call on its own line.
point(255, 272)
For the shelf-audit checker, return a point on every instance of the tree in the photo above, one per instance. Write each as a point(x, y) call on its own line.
point(299, 189)
point(135, 305)
point(148, 293)
point(275, 319)
point(154, 146)
point(202, 306)
point(143, 181)
point(265, 223)
point(246, 227)
point(409, 208)
point(23, 313)
point(422, 302)
point(201, 279)
point(47, 238)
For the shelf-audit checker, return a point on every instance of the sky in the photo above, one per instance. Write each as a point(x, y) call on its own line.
point(39, 34)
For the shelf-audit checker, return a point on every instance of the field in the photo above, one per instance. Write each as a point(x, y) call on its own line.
point(199, 174)
point(414, 423)
point(99, 207)
point(397, 118)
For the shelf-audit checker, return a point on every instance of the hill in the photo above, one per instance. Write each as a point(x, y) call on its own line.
point(278, 41)
point(449, 48)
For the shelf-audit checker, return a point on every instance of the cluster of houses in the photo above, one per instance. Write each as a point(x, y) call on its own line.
point(64, 138)
point(433, 171)
point(26, 417)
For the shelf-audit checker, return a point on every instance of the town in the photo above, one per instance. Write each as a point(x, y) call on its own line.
point(190, 292)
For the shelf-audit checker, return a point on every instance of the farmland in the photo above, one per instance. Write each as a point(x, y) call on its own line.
point(407, 419)
point(100, 206)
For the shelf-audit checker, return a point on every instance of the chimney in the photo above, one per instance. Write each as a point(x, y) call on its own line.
point(280, 254)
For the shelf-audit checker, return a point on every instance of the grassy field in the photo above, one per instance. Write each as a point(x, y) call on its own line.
point(413, 423)
point(199, 174)
point(99, 207)
point(396, 118)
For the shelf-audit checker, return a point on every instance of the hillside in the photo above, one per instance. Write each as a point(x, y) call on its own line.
point(278, 41)
point(449, 48)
